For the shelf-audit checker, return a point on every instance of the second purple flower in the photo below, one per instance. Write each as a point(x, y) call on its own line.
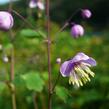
point(78, 69)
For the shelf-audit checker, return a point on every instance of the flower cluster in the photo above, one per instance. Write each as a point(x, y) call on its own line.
point(78, 68)
point(77, 30)
point(36, 3)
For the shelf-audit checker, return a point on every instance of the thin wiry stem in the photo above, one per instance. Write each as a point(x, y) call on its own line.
point(48, 54)
point(67, 22)
point(26, 21)
point(57, 80)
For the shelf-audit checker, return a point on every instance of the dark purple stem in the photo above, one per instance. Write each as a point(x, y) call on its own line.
point(48, 54)
point(26, 21)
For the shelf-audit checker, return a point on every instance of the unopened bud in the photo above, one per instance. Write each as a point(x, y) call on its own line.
point(6, 20)
point(36, 3)
point(1, 47)
point(40, 5)
point(58, 60)
point(77, 31)
point(33, 3)
point(5, 59)
point(86, 13)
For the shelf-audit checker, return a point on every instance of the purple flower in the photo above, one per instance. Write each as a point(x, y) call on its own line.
point(6, 20)
point(78, 69)
point(77, 31)
point(36, 3)
point(86, 13)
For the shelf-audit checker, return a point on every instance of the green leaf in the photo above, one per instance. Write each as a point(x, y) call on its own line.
point(45, 76)
point(8, 46)
point(2, 86)
point(42, 34)
point(62, 93)
point(33, 81)
point(18, 81)
point(29, 33)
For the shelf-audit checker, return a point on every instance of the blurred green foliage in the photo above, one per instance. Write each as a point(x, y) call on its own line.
point(31, 78)
point(31, 71)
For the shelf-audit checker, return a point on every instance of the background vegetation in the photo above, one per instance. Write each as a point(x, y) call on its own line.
point(31, 59)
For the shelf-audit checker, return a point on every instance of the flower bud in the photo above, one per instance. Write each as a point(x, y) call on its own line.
point(36, 3)
point(5, 59)
point(1, 47)
point(6, 20)
point(33, 3)
point(40, 5)
point(77, 31)
point(86, 13)
point(58, 60)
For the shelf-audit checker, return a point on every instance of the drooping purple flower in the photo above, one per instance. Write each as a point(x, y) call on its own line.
point(6, 20)
point(36, 3)
point(77, 30)
point(78, 69)
point(86, 13)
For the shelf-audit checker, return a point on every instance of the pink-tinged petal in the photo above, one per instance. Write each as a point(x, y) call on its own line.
point(66, 68)
point(79, 57)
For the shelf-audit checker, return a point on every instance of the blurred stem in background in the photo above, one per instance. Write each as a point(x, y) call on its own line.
point(35, 100)
point(12, 64)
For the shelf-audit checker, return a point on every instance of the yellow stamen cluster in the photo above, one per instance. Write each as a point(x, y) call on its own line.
point(80, 75)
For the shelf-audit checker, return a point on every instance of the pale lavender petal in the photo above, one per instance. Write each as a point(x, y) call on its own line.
point(33, 3)
point(79, 57)
point(66, 68)
point(90, 61)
